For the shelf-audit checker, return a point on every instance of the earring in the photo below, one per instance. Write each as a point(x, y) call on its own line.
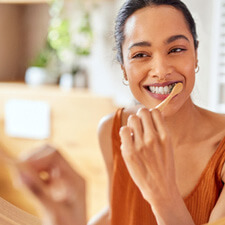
point(197, 69)
point(125, 82)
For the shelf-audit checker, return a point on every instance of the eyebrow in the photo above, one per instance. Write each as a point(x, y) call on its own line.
point(168, 41)
point(141, 44)
point(176, 37)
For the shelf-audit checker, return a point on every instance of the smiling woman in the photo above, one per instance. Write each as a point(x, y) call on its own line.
point(164, 167)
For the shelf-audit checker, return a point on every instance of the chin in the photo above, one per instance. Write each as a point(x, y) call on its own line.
point(171, 111)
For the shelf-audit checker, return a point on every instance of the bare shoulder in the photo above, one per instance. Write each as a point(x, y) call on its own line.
point(217, 120)
point(104, 137)
point(212, 114)
point(219, 117)
point(129, 111)
point(105, 125)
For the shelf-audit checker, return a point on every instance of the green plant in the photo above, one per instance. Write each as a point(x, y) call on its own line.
point(64, 45)
point(43, 57)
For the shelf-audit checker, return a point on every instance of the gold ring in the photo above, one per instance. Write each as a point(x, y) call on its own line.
point(44, 175)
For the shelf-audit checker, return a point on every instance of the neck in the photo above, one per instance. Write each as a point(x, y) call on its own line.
point(183, 124)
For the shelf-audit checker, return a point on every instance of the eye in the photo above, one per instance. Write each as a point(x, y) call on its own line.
point(177, 50)
point(140, 55)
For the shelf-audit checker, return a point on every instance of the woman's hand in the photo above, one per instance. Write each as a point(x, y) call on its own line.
point(59, 188)
point(148, 153)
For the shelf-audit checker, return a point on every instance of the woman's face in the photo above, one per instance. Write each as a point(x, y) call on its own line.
point(158, 51)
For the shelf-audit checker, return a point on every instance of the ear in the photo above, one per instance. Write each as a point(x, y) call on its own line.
point(197, 45)
point(196, 55)
point(196, 63)
point(124, 72)
point(196, 59)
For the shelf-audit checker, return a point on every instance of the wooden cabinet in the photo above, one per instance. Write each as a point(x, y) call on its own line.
point(23, 29)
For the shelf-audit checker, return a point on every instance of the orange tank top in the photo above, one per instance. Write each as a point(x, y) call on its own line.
point(128, 207)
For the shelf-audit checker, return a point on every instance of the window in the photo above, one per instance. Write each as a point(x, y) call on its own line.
point(217, 85)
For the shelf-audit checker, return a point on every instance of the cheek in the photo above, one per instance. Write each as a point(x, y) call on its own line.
point(136, 72)
point(190, 83)
point(189, 73)
point(186, 68)
point(135, 76)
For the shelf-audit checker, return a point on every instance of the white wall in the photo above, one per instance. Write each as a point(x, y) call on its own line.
point(202, 11)
point(105, 76)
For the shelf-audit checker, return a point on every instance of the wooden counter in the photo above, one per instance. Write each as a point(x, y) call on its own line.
point(75, 116)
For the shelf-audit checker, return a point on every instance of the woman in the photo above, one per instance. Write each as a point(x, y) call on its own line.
point(163, 168)
point(170, 167)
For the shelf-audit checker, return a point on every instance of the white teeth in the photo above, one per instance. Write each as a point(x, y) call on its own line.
point(161, 90)
point(152, 89)
point(166, 89)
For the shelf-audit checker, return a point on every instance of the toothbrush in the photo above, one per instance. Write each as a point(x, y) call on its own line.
point(176, 90)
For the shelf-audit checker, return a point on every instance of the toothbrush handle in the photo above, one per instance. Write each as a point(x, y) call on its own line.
point(164, 103)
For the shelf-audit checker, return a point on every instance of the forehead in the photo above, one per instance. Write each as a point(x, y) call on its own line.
point(156, 22)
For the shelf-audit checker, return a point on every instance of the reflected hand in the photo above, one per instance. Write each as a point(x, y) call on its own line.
point(59, 188)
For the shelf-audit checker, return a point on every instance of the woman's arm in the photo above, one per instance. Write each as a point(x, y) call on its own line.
point(148, 154)
point(105, 141)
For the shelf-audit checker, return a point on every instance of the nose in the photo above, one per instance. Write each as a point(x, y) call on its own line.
point(160, 67)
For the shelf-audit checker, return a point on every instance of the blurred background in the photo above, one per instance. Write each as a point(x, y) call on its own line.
point(61, 53)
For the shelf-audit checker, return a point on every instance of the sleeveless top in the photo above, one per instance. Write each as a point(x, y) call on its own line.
point(128, 207)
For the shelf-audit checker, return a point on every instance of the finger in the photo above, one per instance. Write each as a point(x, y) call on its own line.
point(47, 159)
point(41, 157)
point(134, 122)
point(55, 190)
point(41, 162)
point(50, 167)
point(47, 196)
point(147, 123)
point(127, 149)
point(33, 183)
point(126, 138)
point(160, 124)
